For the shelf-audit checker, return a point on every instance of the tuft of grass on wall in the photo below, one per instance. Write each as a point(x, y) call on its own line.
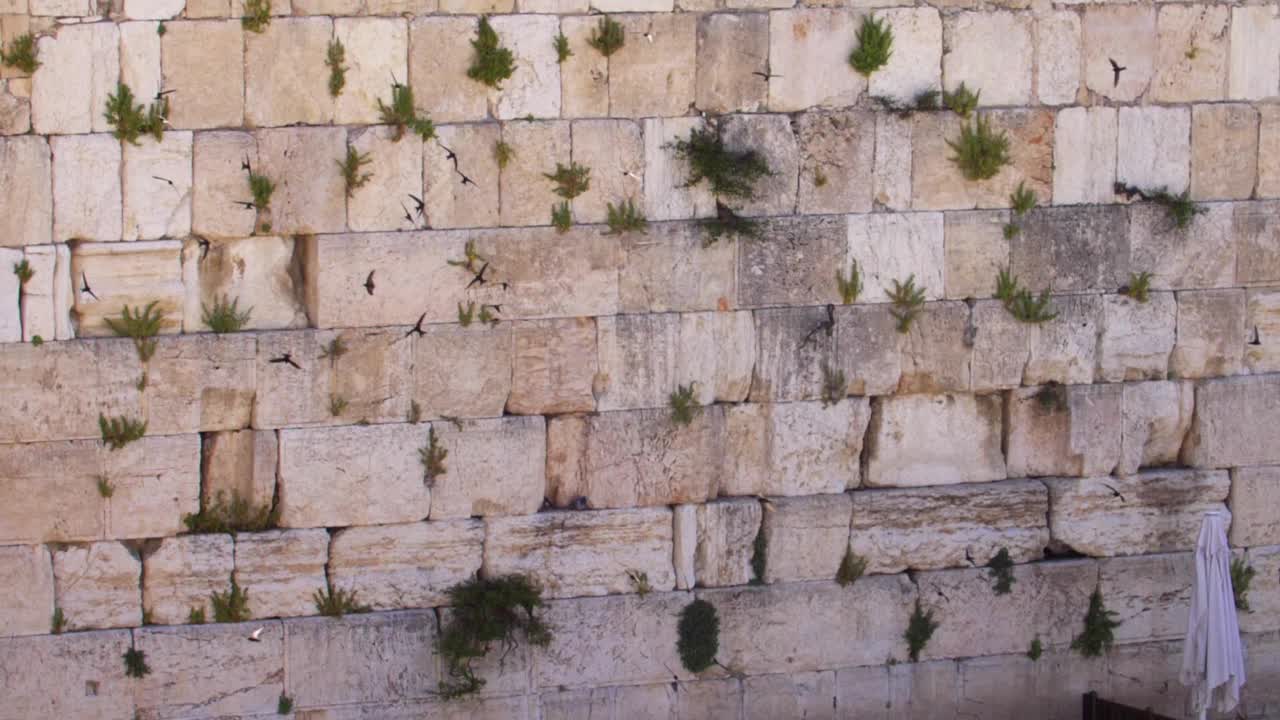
point(875, 46)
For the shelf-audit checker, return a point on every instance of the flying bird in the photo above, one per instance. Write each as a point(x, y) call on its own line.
point(1117, 69)
point(418, 205)
point(204, 246)
point(479, 277)
point(244, 164)
point(1257, 338)
point(286, 358)
point(408, 218)
point(256, 635)
point(417, 327)
point(84, 286)
point(1114, 492)
point(449, 154)
point(157, 177)
point(466, 180)
point(368, 282)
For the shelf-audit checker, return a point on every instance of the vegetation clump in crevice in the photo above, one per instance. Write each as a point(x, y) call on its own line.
point(850, 286)
point(1022, 201)
point(58, 622)
point(284, 705)
point(224, 316)
point(907, 300)
point(466, 314)
point(625, 217)
point(1138, 287)
point(980, 152)
point(24, 271)
point(919, 629)
point(640, 581)
point(834, 386)
point(1052, 397)
point(962, 101)
point(698, 636)
point(1097, 636)
point(350, 166)
point(729, 173)
point(571, 180)
point(337, 404)
point(503, 154)
point(257, 15)
point(1241, 577)
point(261, 188)
point(1180, 209)
point(875, 46)
point(335, 59)
point(135, 663)
point(491, 63)
point(120, 430)
point(561, 216)
point(336, 602)
point(608, 37)
point(728, 222)
point(131, 121)
point(759, 556)
point(140, 325)
point(485, 612)
point(231, 606)
point(21, 54)
point(1036, 649)
point(105, 489)
point(851, 567)
point(195, 616)
point(1019, 301)
point(332, 352)
point(683, 405)
point(1000, 567)
point(432, 456)
point(561, 44)
point(401, 114)
point(238, 515)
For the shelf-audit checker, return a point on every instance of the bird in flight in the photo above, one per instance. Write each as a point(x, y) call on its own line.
point(286, 358)
point(84, 286)
point(368, 282)
point(1117, 69)
point(417, 327)
point(256, 635)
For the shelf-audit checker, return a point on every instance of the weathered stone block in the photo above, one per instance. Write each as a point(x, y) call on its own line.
point(547, 273)
point(685, 543)
point(11, 297)
point(1262, 352)
point(395, 171)
point(974, 251)
point(1150, 594)
point(1004, 77)
point(628, 459)
point(180, 575)
point(1211, 334)
point(807, 537)
point(1058, 48)
point(449, 202)
point(867, 348)
point(731, 47)
point(60, 376)
point(657, 701)
point(534, 87)
point(583, 553)
point(614, 149)
point(38, 673)
point(1154, 148)
point(1202, 255)
point(261, 274)
point(361, 658)
point(1084, 155)
point(1064, 351)
point(891, 178)
point(836, 157)
point(309, 193)
point(153, 9)
point(528, 195)
point(553, 367)
point(725, 539)
point(801, 40)
point(584, 75)
point(439, 55)
point(1001, 347)
point(195, 58)
point(15, 110)
point(281, 570)
point(1269, 151)
point(1224, 151)
point(1234, 422)
point(890, 247)
point(1135, 338)
point(794, 448)
point(29, 598)
point(157, 188)
point(352, 475)
point(200, 383)
point(1150, 512)
point(283, 82)
point(937, 182)
point(189, 677)
point(1126, 33)
point(239, 463)
point(461, 373)
point(376, 50)
point(932, 528)
point(1264, 605)
point(1256, 227)
point(720, 350)
point(407, 265)
point(920, 440)
point(384, 563)
point(792, 344)
point(98, 586)
point(127, 275)
point(220, 183)
point(1255, 69)
point(914, 65)
point(655, 77)
point(65, 99)
point(770, 136)
point(86, 187)
point(494, 467)
point(46, 297)
point(1156, 418)
point(1064, 430)
point(26, 197)
point(807, 695)
point(936, 352)
point(666, 196)
point(1192, 58)
point(667, 269)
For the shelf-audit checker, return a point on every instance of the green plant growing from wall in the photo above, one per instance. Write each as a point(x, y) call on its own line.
point(231, 606)
point(487, 611)
point(415, 413)
point(1006, 286)
point(834, 386)
point(698, 636)
point(36, 341)
point(335, 59)
point(561, 216)
point(819, 178)
point(432, 456)
point(1036, 649)
point(471, 259)
point(926, 100)
point(467, 314)
point(1139, 287)
point(21, 54)
point(257, 15)
point(486, 316)
point(1052, 397)
point(962, 101)
point(334, 351)
point(980, 153)
point(284, 705)
point(120, 430)
point(336, 602)
point(130, 120)
point(491, 63)
point(640, 581)
point(728, 222)
point(503, 153)
point(729, 173)
point(1097, 636)
point(105, 488)
point(195, 616)
point(224, 316)
point(625, 217)
point(907, 300)
point(58, 622)
point(1180, 209)
point(142, 382)
point(337, 404)
point(571, 181)
point(135, 663)
point(851, 567)
point(608, 37)
point(850, 286)
point(350, 166)
point(1022, 202)
point(147, 617)
point(1000, 567)
point(875, 46)
point(759, 556)
point(919, 629)
point(401, 114)
point(160, 29)
point(561, 44)
point(237, 515)
point(1030, 308)
point(24, 271)
point(140, 325)
point(683, 405)
point(1241, 577)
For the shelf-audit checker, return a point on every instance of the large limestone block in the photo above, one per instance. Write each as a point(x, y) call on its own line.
point(1224, 151)
point(281, 570)
point(1064, 430)
point(799, 448)
point(584, 75)
point(1001, 347)
point(309, 192)
point(1202, 255)
point(1150, 594)
point(182, 573)
point(221, 183)
point(1254, 493)
point(240, 463)
point(792, 344)
point(667, 269)
point(371, 374)
point(460, 373)
point(867, 349)
point(15, 112)
point(1003, 77)
point(553, 367)
point(79, 68)
point(86, 188)
point(284, 84)
point(1135, 338)
point(758, 632)
point(836, 155)
point(354, 475)
point(1256, 227)
point(974, 251)
point(261, 274)
point(439, 55)
point(807, 537)
point(628, 459)
point(39, 674)
point(385, 565)
point(773, 138)
point(890, 247)
point(1127, 34)
point(936, 353)
point(1154, 148)
point(361, 658)
point(1211, 334)
point(1156, 418)
point(200, 383)
point(659, 700)
point(1152, 511)
point(1262, 354)
point(1047, 601)
point(731, 47)
point(395, 173)
point(157, 188)
point(891, 177)
point(548, 274)
point(1068, 249)
point(685, 543)
point(26, 196)
point(1254, 68)
point(153, 9)
point(534, 87)
point(450, 202)
point(1084, 156)
point(932, 528)
point(29, 597)
point(47, 296)
point(572, 554)
point(721, 353)
point(915, 65)
point(98, 585)
point(195, 59)
point(1234, 423)
point(527, 194)
point(1064, 351)
point(11, 297)
point(1058, 48)
point(210, 669)
point(1264, 602)
point(795, 272)
point(1192, 60)
point(667, 195)
point(807, 695)
point(376, 49)
point(725, 540)
point(120, 276)
point(653, 73)
point(937, 182)
point(1269, 151)
point(494, 467)
point(46, 385)
point(917, 440)
point(614, 150)
point(809, 55)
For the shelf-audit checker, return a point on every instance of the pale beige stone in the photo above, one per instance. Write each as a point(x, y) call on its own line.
point(239, 464)
point(352, 476)
point(493, 467)
point(1254, 71)
point(792, 345)
point(666, 196)
point(188, 676)
point(140, 61)
point(1064, 430)
point(38, 671)
point(309, 191)
point(1211, 334)
point(1004, 77)
point(720, 352)
point(1262, 351)
point(836, 156)
point(260, 274)
point(583, 553)
point(527, 194)
point(584, 75)
point(384, 563)
point(98, 585)
point(614, 150)
point(920, 440)
point(937, 182)
point(1058, 48)
point(891, 179)
point(1084, 156)
point(1150, 595)
point(974, 251)
point(1234, 422)
point(1156, 418)
point(29, 598)
point(1152, 511)
point(1192, 59)
point(867, 342)
point(1127, 34)
point(86, 188)
point(807, 537)
point(79, 69)
point(1254, 491)
point(1256, 227)
point(798, 272)
point(1136, 338)
point(652, 74)
point(635, 458)
point(439, 55)
point(553, 367)
point(154, 208)
point(375, 50)
point(182, 572)
point(1264, 610)
point(725, 535)
point(1065, 350)
point(667, 270)
point(685, 543)
point(1269, 152)
point(153, 9)
point(131, 275)
point(50, 381)
point(772, 138)
point(534, 86)
point(808, 695)
point(26, 196)
point(461, 373)
point(1224, 151)
point(809, 56)
point(731, 47)
point(394, 176)
point(547, 273)
point(333, 663)
point(10, 297)
point(450, 203)
point(200, 383)
point(47, 297)
point(1154, 148)
point(936, 352)
point(797, 448)
point(1001, 346)
point(221, 184)
point(196, 57)
point(915, 64)
point(1202, 255)
point(281, 570)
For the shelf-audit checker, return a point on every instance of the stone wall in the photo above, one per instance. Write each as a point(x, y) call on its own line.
point(1087, 446)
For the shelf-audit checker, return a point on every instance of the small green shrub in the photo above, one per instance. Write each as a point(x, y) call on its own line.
point(1097, 636)
point(142, 382)
point(561, 216)
point(238, 515)
point(980, 152)
point(141, 325)
point(58, 622)
point(570, 181)
point(834, 386)
point(432, 456)
point(640, 581)
point(491, 63)
point(1139, 287)
point(759, 556)
point(1180, 209)
point(21, 54)
point(1000, 567)
point(195, 616)
point(1241, 577)
point(626, 217)
point(334, 351)
point(402, 115)
point(1006, 286)
point(352, 178)
point(851, 286)
point(819, 178)
point(160, 29)
point(36, 341)
point(1022, 202)
point(130, 120)
point(415, 413)
point(503, 153)
point(486, 316)
point(698, 638)
point(224, 316)
point(262, 188)
point(907, 300)
point(875, 46)
point(728, 222)
point(334, 59)
point(284, 705)
point(851, 567)
point(120, 430)
point(729, 173)
point(231, 606)
point(337, 404)
point(105, 489)
point(24, 271)
point(336, 602)
point(1036, 649)
point(135, 663)
point(926, 100)
point(608, 37)
point(683, 405)
point(467, 314)
point(257, 15)
point(1030, 308)
point(961, 102)
point(919, 629)
point(562, 48)
point(487, 611)
point(1052, 397)
point(147, 617)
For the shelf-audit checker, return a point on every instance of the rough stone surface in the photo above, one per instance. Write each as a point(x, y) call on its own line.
point(30, 572)
point(792, 344)
point(1149, 594)
point(283, 82)
point(395, 171)
point(1064, 430)
point(78, 70)
point(133, 275)
point(534, 87)
point(260, 274)
point(493, 467)
point(86, 192)
point(666, 196)
point(26, 205)
point(798, 448)
point(1233, 422)
point(906, 433)
point(797, 272)
point(375, 50)
point(889, 247)
point(1269, 151)
point(1135, 338)
point(614, 150)
point(867, 342)
point(1224, 151)
point(584, 75)
point(553, 367)
point(1256, 228)
point(527, 194)
point(667, 269)
point(1211, 334)
point(1157, 416)
point(1064, 351)
point(913, 66)
point(1253, 493)
point(186, 678)
point(451, 204)
point(836, 157)
point(725, 535)
point(772, 137)
point(1067, 249)
point(195, 57)
point(439, 55)
point(1262, 353)
point(1058, 48)
point(655, 77)
point(891, 178)
point(974, 252)
point(806, 536)
point(1084, 155)
point(1003, 77)
point(1202, 255)
point(461, 373)
point(385, 657)
point(281, 570)
point(936, 357)
point(1192, 57)
point(803, 39)
point(179, 576)
point(1154, 148)
point(1254, 71)
point(98, 586)
point(1001, 346)
point(730, 47)
point(384, 563)
point(1126, 33)
point(309, 195)
point(220, 181)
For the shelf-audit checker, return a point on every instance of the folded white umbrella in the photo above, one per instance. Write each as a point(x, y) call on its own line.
point(1212, 660)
